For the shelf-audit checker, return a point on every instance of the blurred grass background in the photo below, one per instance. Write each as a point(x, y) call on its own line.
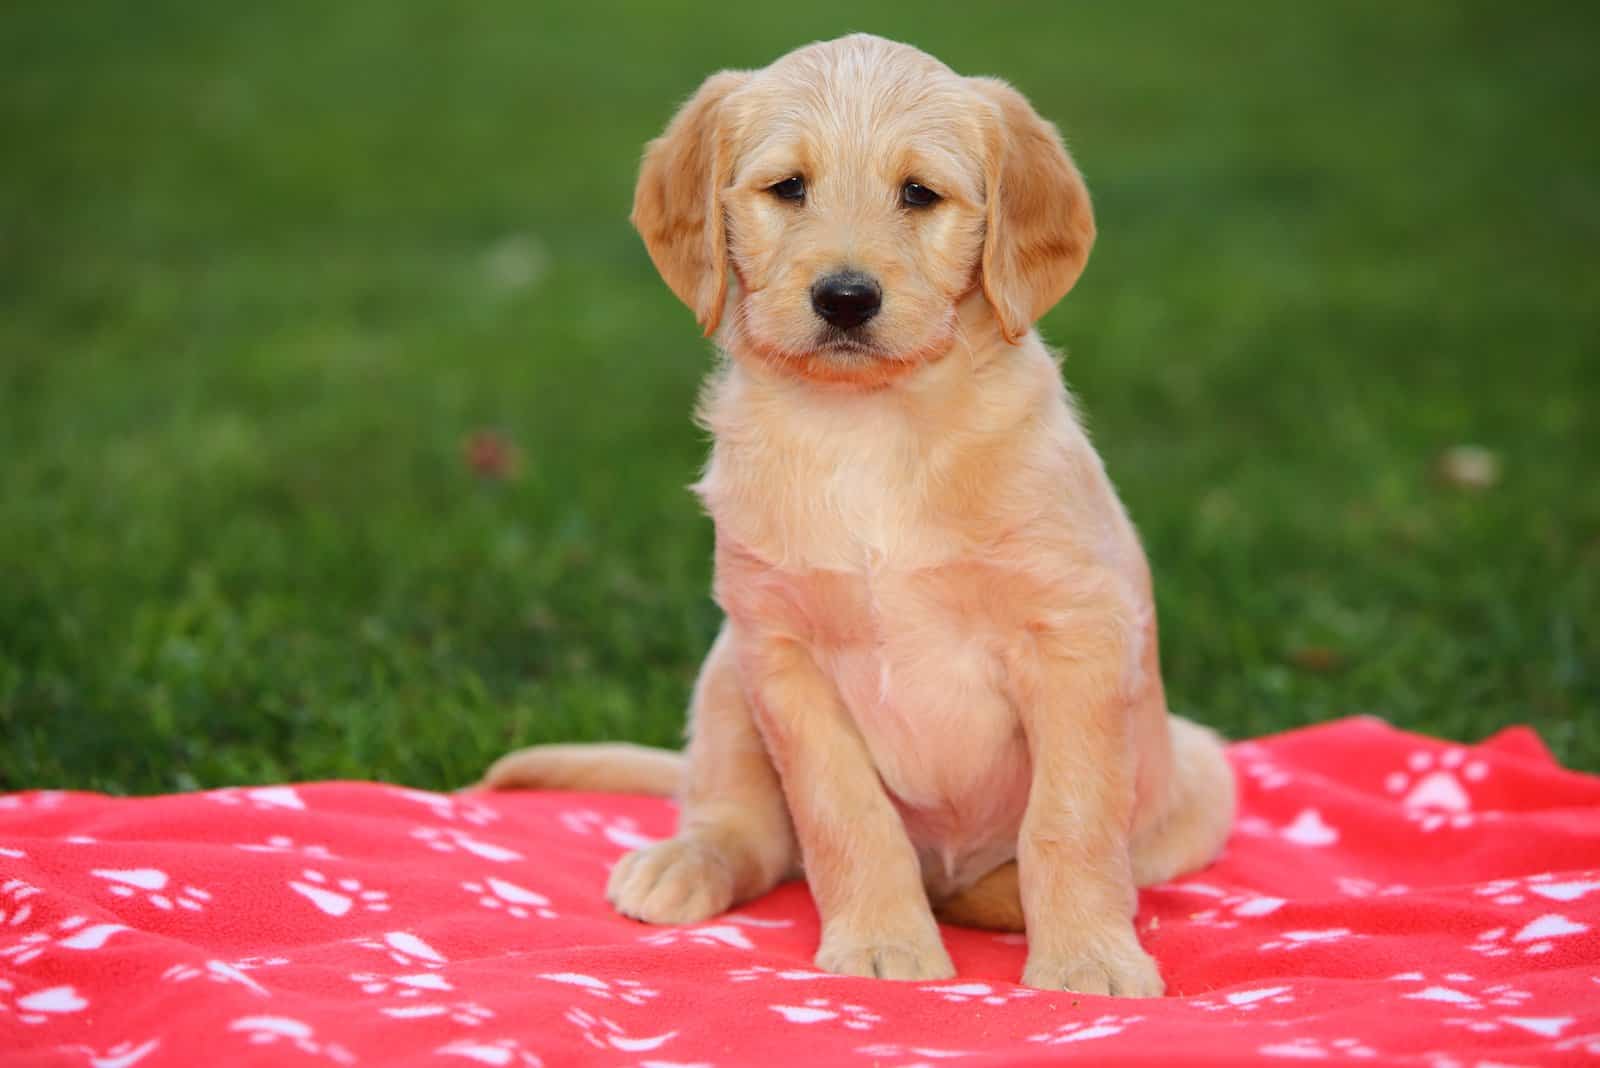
point(265, 267)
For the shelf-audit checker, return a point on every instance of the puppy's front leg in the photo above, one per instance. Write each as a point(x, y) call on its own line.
point(862, 870)
point(1078, 895)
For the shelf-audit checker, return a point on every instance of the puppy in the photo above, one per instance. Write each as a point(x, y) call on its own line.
point(936, 690)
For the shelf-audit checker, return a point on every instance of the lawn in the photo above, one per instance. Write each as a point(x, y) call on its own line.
point(264, 269)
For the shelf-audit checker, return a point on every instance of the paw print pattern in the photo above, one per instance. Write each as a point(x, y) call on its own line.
point(12, 854)
point(515, 900)
point(337, 900)
point(1086, 1030)
point(1533, 938)
point(217, 972)
point(1318, 1049)
point(1434, 781)
point(466, 1013)
point(761, 971)
point(1259, 767)
point(279, 843)
point(260, 798)
point(501, 1053)
point(450, 840)
point(1456, 990)
point(1367, 888)
point(880, 1050)
point(1246, 1000)
point(405, 949)
point(982, 993)
point(1289, 941)
point(1233, 907)
point(1307, 829)
point(450, 809)
point(820, 1010)
point(403, 986)
point(269, 1030)
point(713, 934)
point(41, 1005)
point(132, 882)
point(1569, 887)
point(618, 830)
point(627, 991)
point(15, 907)
point(70, 933)
point(603, 1033)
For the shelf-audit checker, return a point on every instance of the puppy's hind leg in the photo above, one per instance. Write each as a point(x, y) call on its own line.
point(734, 840)
point(1190, 828)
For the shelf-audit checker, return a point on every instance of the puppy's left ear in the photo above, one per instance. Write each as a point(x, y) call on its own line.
point(677, 205)
point(1040, 225)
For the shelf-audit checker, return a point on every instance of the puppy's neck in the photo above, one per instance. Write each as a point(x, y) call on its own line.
point(910, 475)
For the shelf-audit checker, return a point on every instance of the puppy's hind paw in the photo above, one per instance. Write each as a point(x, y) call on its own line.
point(681, 880)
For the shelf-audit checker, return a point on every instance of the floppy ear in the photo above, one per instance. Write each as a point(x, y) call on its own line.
point(676, 205)
point(1040, 225)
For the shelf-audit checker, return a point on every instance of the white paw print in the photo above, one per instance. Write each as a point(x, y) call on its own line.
point(269, 1030)
point(466, 1013)
point(502, 1052)
point(1570, 887)
point(70, 933)
point(402, 986)
point(445, 807)
point(41, 1005)
point(131, 882)
point(260, 798)
point(1293, 940)
point(1245, 905)
point(217, 972)
point(1434, 780)
point(1534, 938)
point(1086, 1030)
point(1246, 1000)
point(983, 993)
point(879, 1050)
point(279, 843)
point(618, 830)
point(405, 949)
point(15, 909)
point(627, 991)
point(515, 900)
point(1318, 1049)
point(1367, 888)
point(604, 1033)
point(818, 1010)
point(337, 899)
point(761, 971)
point(1259, 767)
point(713, 934)
point(1456, 989)
point(450, 840)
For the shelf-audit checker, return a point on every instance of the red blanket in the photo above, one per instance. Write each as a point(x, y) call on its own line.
point(1386, 898)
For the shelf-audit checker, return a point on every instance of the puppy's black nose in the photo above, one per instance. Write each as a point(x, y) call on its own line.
point(846, 299)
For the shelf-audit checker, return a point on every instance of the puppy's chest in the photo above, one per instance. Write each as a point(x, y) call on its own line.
point(917, 659)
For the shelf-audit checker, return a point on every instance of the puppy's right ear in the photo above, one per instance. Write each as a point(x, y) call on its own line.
point(677, 206)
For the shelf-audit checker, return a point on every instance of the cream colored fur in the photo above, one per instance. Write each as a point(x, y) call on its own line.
point(937, 687)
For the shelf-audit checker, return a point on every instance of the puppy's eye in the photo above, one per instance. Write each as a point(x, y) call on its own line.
point(789, 189)
point(917, 195)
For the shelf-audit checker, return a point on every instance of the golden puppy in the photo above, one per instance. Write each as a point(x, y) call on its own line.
point(936, 690)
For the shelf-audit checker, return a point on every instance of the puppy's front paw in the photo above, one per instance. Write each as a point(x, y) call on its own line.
point(1113, 964)
point(681, 880)
point(886, 958)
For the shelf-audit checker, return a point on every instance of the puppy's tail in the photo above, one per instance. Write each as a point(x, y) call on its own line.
point(604, 767)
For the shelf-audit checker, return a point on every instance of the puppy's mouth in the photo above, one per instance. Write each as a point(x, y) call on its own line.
point(849, 344)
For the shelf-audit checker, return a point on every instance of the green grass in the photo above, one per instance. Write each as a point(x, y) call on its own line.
point(262, 271)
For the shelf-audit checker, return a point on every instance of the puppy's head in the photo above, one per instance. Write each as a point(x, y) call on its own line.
point(859, 190)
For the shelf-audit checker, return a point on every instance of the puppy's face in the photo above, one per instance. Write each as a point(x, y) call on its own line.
point(859, 190)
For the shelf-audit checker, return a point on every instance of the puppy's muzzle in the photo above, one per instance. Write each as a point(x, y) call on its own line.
point(846, 299)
